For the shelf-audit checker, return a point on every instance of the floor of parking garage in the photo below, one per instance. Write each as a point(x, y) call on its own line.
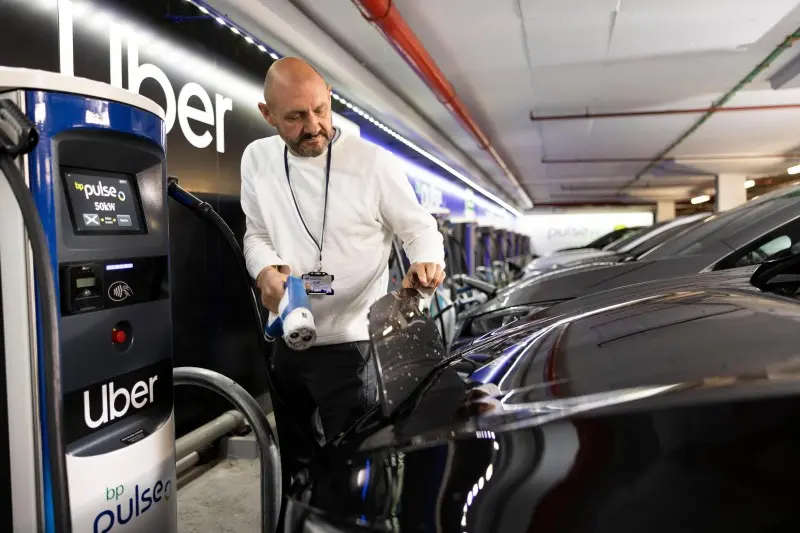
point(221, 499)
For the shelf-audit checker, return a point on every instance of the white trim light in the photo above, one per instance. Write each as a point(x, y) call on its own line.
point(222, 20)
point(793, 170)
point(749, 183)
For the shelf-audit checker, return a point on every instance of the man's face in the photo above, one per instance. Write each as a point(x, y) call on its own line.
point(302, 116)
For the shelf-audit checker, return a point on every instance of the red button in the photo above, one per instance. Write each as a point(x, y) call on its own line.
point(118, 336)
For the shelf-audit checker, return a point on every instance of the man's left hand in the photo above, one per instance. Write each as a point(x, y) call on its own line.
point(424, 276)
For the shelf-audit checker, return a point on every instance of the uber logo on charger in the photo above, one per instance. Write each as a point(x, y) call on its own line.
point(99, 405)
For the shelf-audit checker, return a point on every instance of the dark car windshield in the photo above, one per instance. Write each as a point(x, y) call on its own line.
point(661, 238)
point(610, 238)
point(619, 244)
point(706, 234)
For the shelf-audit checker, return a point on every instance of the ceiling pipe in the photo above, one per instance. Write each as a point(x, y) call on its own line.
point(662, 112)
point(601, 160)
point(383, 15)
point(787, 43)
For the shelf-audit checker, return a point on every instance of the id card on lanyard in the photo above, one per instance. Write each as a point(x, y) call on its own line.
point(318, 282)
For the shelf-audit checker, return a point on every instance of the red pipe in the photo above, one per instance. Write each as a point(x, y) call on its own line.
point(654, 113)
point(394, 28)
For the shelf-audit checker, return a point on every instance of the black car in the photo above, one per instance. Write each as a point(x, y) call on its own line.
point(629, 248)
point(674, 407)
point(763, 228)
point(636, 252)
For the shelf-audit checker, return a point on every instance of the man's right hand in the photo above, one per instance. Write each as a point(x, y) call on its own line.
point(272, 284)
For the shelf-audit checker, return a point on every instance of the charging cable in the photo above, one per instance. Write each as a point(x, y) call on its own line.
point(18, 136)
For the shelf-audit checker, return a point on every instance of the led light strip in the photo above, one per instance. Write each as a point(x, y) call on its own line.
point(428, 155)
point(223, 21)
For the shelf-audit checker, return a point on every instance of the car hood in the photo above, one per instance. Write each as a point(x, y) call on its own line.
point(574, 402)
point(663, 338)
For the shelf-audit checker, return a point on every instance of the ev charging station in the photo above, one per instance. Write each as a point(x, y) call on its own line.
point(98, 179)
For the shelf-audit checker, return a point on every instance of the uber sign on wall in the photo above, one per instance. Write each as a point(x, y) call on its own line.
point(210, 104)
point(209, 101)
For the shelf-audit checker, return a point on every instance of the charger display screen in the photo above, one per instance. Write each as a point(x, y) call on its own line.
point(83, 283)
point(103, 203)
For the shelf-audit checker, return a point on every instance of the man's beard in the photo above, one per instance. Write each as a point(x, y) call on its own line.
point(301, 147)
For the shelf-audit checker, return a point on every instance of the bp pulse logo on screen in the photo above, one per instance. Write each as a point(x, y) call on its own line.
point(102, 191)
point(127, 503)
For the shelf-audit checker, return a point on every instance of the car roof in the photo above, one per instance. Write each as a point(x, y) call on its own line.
point(736, 227)
point(660, 229)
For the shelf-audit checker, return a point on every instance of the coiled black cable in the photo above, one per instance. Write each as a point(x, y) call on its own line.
point(11, 118)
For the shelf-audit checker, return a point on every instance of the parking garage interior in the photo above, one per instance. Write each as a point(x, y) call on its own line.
point(613, 182)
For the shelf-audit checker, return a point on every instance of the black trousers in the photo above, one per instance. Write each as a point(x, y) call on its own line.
point(338, 381)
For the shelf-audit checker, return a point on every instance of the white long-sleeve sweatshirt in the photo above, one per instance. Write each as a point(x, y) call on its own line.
point(369, 200)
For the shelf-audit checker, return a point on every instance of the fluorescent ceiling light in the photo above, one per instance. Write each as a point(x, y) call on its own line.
point(749, 183)
point(701, 199)
point(793, 170)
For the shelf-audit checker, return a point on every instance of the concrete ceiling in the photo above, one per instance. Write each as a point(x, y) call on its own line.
point(511, 58)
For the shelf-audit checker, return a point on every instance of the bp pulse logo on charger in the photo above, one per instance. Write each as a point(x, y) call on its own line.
point(128, 503)
point(103, 191)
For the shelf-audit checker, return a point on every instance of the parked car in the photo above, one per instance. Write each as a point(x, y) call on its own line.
point(605, 240)
point(636, 240)
point(768, 226)
point(555, 258)
point(643, 246)
point(674, 407)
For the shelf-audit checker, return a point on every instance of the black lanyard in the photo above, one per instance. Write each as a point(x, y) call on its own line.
point(325, 208)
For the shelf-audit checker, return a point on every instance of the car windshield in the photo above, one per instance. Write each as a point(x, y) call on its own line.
point(650, 244)
point(610, 238)
point(697, 239)
point(630, 237)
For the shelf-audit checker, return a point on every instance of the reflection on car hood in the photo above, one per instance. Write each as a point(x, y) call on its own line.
point(671, 337)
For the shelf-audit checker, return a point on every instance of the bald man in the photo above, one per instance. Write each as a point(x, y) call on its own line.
point(322, 203)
